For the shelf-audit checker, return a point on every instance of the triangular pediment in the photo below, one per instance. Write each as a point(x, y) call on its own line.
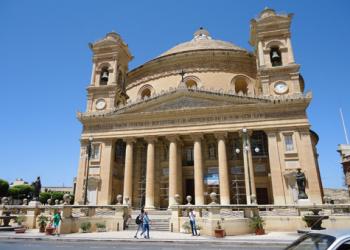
point(187, 100)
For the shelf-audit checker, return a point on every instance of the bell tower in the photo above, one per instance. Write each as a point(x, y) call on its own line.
point(108, 78)
point(277, 71)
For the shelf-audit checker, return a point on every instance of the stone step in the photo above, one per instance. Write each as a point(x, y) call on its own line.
point(159, 222)
point(152, 212)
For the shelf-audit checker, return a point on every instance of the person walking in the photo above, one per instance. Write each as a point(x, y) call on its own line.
point(192, 216)
point(146, 222)
point(56, 222)
point(139, 222)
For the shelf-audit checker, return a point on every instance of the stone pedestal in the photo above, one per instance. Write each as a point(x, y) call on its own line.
point(304, 202)
point(34, 203)
point(175, 224)
point(31, 216)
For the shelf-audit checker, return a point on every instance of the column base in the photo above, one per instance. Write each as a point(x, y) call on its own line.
point(150, 208)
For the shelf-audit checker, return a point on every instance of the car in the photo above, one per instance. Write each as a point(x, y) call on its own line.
point(330, 239)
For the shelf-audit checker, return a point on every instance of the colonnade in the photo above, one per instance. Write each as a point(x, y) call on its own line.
point(175, 172)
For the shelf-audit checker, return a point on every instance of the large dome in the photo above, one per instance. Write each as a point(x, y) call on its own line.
point(202, 41)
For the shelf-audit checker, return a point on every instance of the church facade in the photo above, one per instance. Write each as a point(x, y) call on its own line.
point(205, 116)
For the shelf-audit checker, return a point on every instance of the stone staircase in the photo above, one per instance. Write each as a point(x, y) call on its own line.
point(159, 220)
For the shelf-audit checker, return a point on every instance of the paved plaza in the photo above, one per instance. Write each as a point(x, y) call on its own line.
point(277, 238)
point(38, 245)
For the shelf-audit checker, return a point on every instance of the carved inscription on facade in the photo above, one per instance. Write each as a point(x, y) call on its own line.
point(207, 120)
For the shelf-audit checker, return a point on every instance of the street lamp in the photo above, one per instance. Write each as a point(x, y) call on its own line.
point(88, 152)
point(246, 148)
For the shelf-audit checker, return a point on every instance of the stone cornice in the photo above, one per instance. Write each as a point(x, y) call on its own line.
point(301, 99)
point(273, 71)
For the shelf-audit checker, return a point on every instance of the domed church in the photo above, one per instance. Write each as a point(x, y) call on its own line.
point(205, 116)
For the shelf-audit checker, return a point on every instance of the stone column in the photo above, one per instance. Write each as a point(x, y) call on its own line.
point(92, 81)
point(246, 168)
point(198, 170)
point(223, 171)
point(173, 167)
point(309, 167)
point(278, 186)
point(261, 54)
point(290, 50)
point(179, 171)
point(251, 167)
point(128, 170)
point(105, 196)
point(80, 186)
point(149, 203)
point(115, 70)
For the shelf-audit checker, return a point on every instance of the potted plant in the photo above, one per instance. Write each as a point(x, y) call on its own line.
point(219, 231)
point(49, 229)
point(198, 228)
point(101, 227)
point(19, 220)
point(42, 222)
point(257, 223)
point(186, 227)
point(85, 227)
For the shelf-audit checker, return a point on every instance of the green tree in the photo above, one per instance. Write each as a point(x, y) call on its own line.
point(53, 195)
point(44, 196)
point(21, 191)
point(4, 187)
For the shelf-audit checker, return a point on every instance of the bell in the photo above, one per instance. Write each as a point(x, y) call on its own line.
point(104, 76)
point(275, 55)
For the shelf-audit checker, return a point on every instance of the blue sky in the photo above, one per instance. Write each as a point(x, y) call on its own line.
point(45, 66)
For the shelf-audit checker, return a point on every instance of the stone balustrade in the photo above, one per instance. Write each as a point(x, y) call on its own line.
point(73, 215)
point(235, 218)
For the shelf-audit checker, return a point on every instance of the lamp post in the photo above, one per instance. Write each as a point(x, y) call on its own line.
point(246, 148)
point(88, 151)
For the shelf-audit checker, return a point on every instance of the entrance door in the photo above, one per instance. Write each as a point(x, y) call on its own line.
point(92, 195)
point(262, 196)
point(189, 190)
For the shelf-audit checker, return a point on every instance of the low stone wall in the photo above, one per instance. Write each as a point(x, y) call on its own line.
point(72, 216)
point(235, 219)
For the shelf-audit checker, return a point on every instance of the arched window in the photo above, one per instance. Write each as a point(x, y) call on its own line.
point(241, 86)
point(104, 76)
point(190, 83)
point(275, 57)
point(145, 93)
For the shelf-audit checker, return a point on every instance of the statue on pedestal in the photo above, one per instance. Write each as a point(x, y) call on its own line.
point(37, 187)
point(301, 182)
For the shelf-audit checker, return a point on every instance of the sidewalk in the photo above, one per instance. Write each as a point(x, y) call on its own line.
point(157, 236)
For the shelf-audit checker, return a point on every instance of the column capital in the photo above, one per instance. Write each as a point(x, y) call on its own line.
point(129, 140)
point(197, 136)
point(150, 139)
point(172, 138)
point(220, 135)
point(271, 132)
point(107, 141)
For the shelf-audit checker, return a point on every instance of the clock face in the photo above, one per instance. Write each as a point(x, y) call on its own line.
point(100, 104)
point(281, 87)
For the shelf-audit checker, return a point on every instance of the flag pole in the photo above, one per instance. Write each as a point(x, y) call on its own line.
point(343, 122)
